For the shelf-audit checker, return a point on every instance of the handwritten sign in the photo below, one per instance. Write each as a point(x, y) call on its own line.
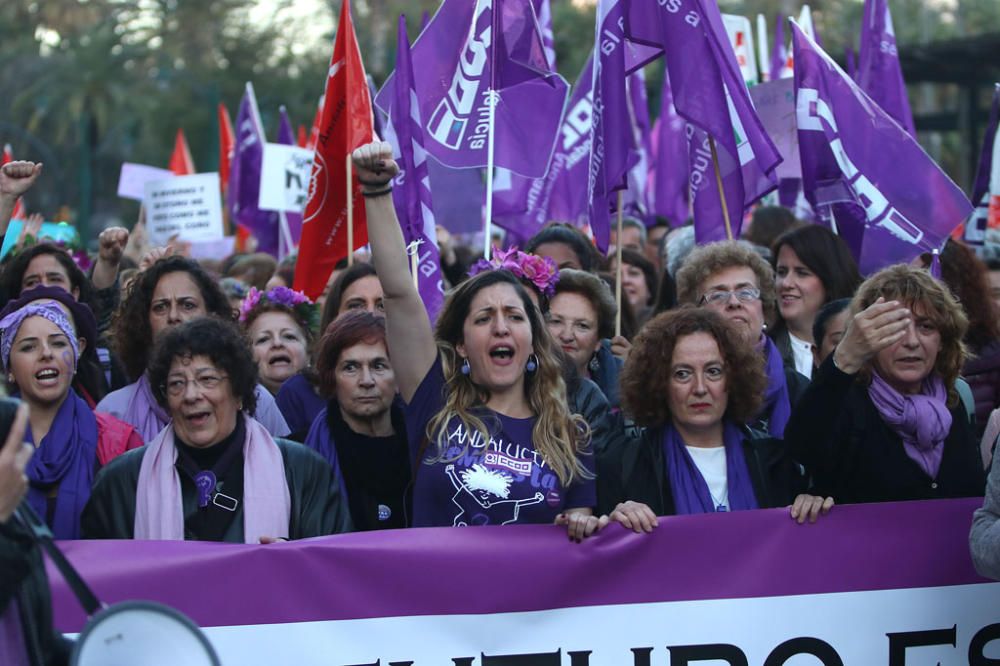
point(187, 207)
point(284, 178)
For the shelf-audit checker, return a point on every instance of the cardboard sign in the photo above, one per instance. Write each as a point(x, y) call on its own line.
point(741, 38)
point(284, 178)
point(133, 179)
point(187, 207)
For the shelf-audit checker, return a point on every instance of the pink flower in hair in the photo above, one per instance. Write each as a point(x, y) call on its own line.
point(250, 302)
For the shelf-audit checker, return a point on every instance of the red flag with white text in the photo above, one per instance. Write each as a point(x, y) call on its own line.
point(345, 124)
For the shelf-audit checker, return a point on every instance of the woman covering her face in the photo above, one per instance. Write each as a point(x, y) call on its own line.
point(489, 432)
point(213, 473)
point(881, 420)
point(173, 291)
point(40, 347)
point(693, 383)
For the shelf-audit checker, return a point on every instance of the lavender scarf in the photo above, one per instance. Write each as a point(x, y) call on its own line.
point(776, 400)
point(922, 420)
point(65, 457)
point(10, 325)
point(688, 487)
point(144, 413)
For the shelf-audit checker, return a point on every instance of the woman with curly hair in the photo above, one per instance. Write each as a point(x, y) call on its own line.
point(881, 420)
point(491, 439)
point(694, 384)
point(170, 292)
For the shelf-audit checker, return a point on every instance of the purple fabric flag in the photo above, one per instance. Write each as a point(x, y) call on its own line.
point(562, 194)
point(669, 168)
point(543, 11)
point(412, 196)
point(852, 67)
point(467, 49)
point(879, 73)
point(286, 136)
point(863, 172)
point(779, 54)
point(425, 20)
point(709, 92)
point(244, 176)
point(987, 184)
point(377, 117)
point(636, 197)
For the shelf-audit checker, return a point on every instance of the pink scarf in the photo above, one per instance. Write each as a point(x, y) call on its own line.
point(159, 512)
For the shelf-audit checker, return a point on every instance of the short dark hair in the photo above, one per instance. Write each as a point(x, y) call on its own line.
point(639, 260)
point(825, 254)
point(825, 314)
point(219, 340)
point(569, 236)
point(645, 380)
point(133, 336)
point(353, 328)
point(768, 223)
point(13, 272)
point(595, 290)
point(331, 307)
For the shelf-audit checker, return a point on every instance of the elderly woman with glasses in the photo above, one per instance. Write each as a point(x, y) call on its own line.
point(214, 473)
point(733, 280)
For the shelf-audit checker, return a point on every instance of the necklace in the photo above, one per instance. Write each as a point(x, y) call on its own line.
point(721, 504)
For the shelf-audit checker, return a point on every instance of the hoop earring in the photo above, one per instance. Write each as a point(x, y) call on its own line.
point(532, 363)
point(466, 368)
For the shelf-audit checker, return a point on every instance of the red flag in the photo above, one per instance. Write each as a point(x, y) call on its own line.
point(345, 124)
point(225, 145)
point(314, 131)
point(180, 162)
point(8, 156)
point(302, 137)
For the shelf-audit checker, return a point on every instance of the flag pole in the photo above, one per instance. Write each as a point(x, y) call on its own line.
point(618, 265)
point(350, 213)
point(487, 227)
point(722, 190)
point(286, 234)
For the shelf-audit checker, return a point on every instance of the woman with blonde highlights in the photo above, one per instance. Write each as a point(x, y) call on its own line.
point(490, 437)
point(881, 420)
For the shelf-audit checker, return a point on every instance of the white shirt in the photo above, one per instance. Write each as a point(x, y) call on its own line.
point(711, 463)
point(802, 351)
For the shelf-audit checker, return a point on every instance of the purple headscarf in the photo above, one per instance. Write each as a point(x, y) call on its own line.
point(10, 324)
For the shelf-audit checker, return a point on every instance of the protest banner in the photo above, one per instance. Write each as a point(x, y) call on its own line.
point(133, 179)
point(284, 178)
point(869, 584)
point(187, 207)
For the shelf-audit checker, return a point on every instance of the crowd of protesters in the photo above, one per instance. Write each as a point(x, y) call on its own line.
point(175, 399)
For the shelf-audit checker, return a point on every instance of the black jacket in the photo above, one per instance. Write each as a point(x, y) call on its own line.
point(838, 435)
point(642, 472)
point(23, 582)
point(318, 504)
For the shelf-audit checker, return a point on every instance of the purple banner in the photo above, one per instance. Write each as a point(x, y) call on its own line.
point(432, 571)
point(467, 49)
point(878, 72)
point(244, 177)
point(863, 174)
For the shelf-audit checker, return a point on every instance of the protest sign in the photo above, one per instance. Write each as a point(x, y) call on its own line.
point(741, 38)
point(133, 179)
point(775, 104)
point(284, 178)
point(863, 586)
point(187, 207)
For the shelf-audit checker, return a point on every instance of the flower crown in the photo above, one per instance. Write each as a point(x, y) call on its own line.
point(541, 272)
point(304, 310)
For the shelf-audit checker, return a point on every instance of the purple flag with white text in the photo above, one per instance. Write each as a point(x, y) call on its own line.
point(244, 176)
point(669, 166)
point(986, 188)
point(636, 197)
point(863, 172)
point(543, 11)
point(709, 92)
point(412, 193)
point(467, 49)
point(878, 71)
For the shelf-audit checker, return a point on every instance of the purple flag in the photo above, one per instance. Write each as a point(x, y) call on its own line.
point(244, 176)
point(779, 55)
point(849, 60)
point(879, 73)
point(669, 173)
point(987, 185)
point(467, 49)
point(863, 172)
point(286, 136)
point(636, 197)
point(709, 92)
point(425, 20)
point(412, 194)
point(528, 204)
point(544, 13)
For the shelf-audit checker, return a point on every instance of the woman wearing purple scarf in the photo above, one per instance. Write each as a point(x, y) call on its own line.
point(40, 348)
point(881, 420)
point(732, 279)
point(693, 383)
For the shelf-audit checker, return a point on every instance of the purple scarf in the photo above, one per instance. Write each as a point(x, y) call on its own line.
point(66, 456)
point(921, 420)
point(688, 486)
point(13, 651)
point(144, 413)
point(776, 400)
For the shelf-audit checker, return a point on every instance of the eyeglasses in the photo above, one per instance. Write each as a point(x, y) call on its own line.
point(177, 387)
point(721, 298)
